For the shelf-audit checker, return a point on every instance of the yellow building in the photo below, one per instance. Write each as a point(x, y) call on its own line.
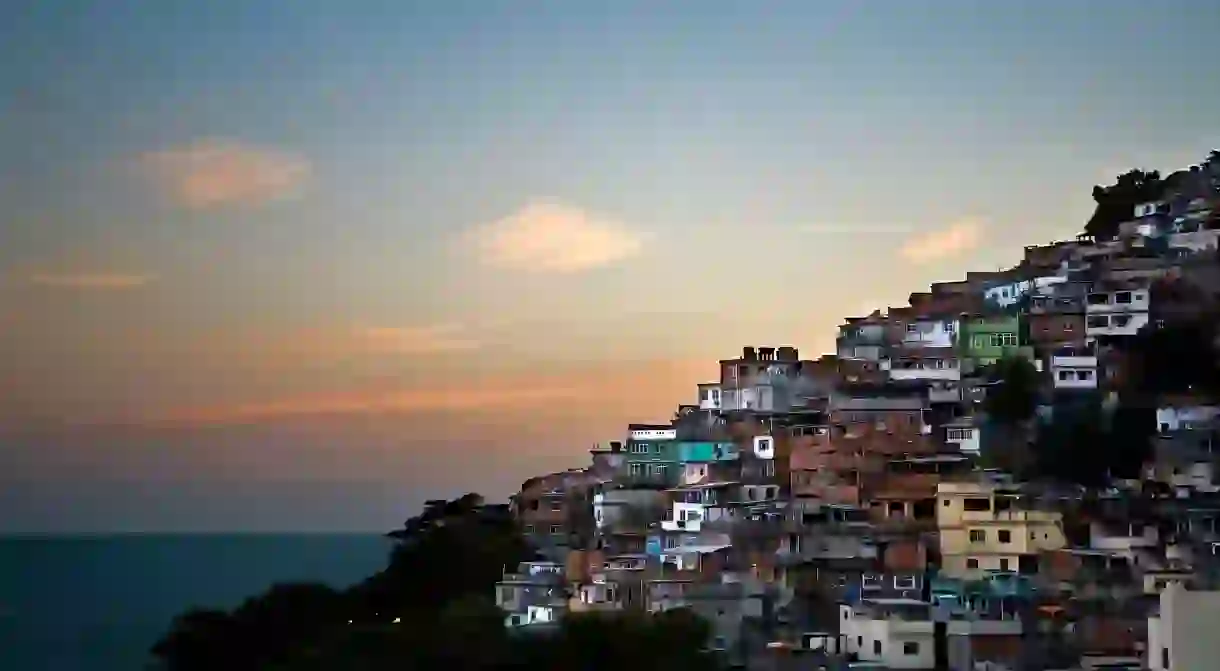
point(989, 527)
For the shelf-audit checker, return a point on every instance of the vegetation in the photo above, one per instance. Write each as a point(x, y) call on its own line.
point(1116, 203)
point(1084, 442)
point(430, 608)
point(1013, 397)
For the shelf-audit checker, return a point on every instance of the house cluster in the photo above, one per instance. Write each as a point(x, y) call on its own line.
point(837, 510)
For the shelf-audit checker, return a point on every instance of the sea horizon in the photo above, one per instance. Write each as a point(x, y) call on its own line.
point(99, 600)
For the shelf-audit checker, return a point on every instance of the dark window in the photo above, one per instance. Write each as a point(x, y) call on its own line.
point(977, 505)
point(978, 536)
point(1122, 297)
point(1005, 536)
point(1003, 563)
point(971, 562)
point(877, 647)
point(910, 648)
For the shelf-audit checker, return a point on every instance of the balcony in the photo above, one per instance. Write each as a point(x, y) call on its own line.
point(919, 373)
point(1074, 361)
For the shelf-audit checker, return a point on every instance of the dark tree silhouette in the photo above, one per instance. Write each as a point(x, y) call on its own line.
point(1013, 395)
point(1116, 203)
point(430, 608)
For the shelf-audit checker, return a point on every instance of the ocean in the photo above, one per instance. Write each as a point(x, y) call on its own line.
point(97, 603)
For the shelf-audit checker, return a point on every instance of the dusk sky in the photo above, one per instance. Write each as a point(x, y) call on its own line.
point(301, 264)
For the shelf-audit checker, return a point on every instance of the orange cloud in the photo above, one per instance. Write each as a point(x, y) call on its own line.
point(552, 238)
point(216, 173)
point(955, 239)
point(643, 387)
point(90, 281)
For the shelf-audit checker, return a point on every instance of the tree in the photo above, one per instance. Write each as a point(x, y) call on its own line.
point(1116, 203)
point(430, 608)
point(1013, 395)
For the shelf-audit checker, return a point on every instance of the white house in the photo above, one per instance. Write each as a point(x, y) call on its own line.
point(931, 333)
point(1182, 634)
point(1005, 295)
point(1116, 310)
point(924, 367)
point(1074, 368)
point(900, 633)
point(965, 436)
point(709, 396)
point(1175, 418)
point(694, 505)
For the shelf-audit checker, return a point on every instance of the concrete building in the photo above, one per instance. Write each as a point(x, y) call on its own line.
point(1182, 633)
point(988, 527)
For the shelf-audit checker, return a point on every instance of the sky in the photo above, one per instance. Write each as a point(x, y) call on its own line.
point(302, 264)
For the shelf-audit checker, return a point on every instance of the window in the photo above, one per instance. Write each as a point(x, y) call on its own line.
point(977, 505)
point(912, 328)
point(877, 647)
point(978, 536)
point(637, 469)
point(529, 528)
point(870, 581)
point(1003, 563)
point(1004, 535)
point(556, 529)
point(1084, 375)
point(1099, 322)
point(972, 563)
point(506, 594)
point(768, 469)
point(1165, 658)
point(671, 542)
point(904, 582)
point(1065, 375)
point(1003, 340)
point(1120, 320)
point(640, 448)
point(556, 506)
point(910, 648)
point(959, 434)
point(950, 327)
point(1122, 297)
point(659, 469)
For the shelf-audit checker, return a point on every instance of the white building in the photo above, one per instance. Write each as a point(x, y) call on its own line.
point(1074, 368)
point(965, 436)
point(924, 367)
point(1005, 295)
point(1116, 310)
point(900, 633)
point(1177, 418)
point(1182, 634)
point(695, 505)
point(931, 333)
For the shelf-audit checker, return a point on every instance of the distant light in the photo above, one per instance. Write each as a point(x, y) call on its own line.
point(398, 620)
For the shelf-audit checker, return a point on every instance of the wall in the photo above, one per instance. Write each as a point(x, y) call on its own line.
point(1050, 329)
point(884, 640)
point(1184, 634)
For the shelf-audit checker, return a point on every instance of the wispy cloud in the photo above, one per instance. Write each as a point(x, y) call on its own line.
point(216, 173)
point(90, 281)
point(957, 238)
point(578, 391)
point(406, 402)
point(432, 339)
point(552, 238)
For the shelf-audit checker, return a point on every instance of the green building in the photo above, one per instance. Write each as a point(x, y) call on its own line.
point(985, 339)
point(653, 455)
